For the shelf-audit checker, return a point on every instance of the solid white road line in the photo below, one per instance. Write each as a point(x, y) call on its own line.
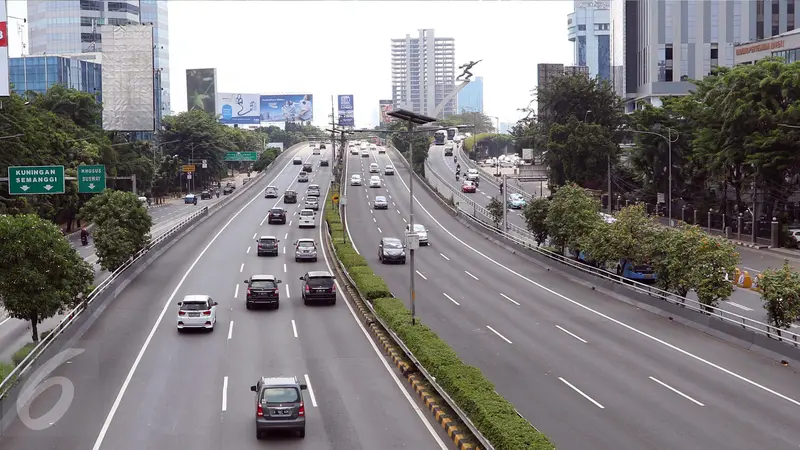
point(421, 275)
point(230, 331)
point(473, 276)
point(572, 334)
point(451, 299)
point(287, 292)
point(582, 394)
point(5, 320)
point(677, 391)
point(400, 385)
point(498, 334)
point(248, 250)
point(118, 400)
point(736, 305)
point(241, 268)
point(294, 328)
point(605, 316)
point(310, 391)
point(225, 394)
point(509, 299)
point(445, 257)
point(236, 292)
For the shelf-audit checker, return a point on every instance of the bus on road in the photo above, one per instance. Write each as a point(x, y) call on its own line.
point(451, 133)
point(439, 137)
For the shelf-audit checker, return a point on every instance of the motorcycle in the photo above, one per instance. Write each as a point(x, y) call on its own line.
point(84, 240)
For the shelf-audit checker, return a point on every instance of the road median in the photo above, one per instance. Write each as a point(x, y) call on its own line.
point(472, 413)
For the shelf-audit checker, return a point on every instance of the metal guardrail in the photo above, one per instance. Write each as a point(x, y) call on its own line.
point(758, 327)
point(71, 316)
point(484, 443)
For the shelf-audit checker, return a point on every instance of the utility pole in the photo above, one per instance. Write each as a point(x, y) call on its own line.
point(503, 195)
point(608, 162)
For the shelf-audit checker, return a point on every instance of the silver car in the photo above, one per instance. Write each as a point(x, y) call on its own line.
point(302, 177)
point(305, 249)
point(311, 203)
point(420, 231)
point(380, 202)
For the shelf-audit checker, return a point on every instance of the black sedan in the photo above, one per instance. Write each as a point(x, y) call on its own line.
point(228, 190)
point(276, 215)
point(391, 250)
point(290, 197)
point(205, 195)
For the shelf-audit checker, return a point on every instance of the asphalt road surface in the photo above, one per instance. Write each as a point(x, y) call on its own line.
point(586, 369)
point(742, 302)
point(139, 384)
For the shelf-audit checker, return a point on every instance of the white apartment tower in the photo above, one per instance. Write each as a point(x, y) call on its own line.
point(423, 73)
point(589, 28)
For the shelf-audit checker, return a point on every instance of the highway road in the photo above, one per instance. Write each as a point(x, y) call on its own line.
point(742, 302)
point(139, 384)
point(581, 366)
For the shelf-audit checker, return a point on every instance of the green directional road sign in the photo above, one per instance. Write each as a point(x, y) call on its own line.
point(91, 179)
point(241, 156)
point(30, 180)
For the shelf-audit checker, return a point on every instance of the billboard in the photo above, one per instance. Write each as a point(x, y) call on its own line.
point(384, 108)
point(128, 97)
point(346, 118)
point(287, 108)
point(5, 84)
point(201, 90)
point(239, 108)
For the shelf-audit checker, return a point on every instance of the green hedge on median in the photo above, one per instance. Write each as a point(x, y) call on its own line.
point(493, 415)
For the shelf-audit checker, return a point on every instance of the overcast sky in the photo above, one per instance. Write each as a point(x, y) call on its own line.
point(328, 48)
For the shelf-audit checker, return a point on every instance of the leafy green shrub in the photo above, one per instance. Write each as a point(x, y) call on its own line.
point(348, 256)
point(370, 285)
point(336, 227)
point(5, 370)
point(22, 353)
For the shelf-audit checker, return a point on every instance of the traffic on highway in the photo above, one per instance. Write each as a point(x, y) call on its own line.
point(188, 357)
point(581, 365)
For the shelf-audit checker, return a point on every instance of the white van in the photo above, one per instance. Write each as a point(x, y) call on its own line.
point(307, 219)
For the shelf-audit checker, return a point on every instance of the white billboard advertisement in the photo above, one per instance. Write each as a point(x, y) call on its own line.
point(242, 109)
point(128, 98)
point(5, 85)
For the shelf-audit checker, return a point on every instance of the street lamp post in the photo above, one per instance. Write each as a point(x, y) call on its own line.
point(412, 119)
point(669, 140)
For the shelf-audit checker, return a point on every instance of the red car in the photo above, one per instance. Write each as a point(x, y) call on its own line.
point(468, 186)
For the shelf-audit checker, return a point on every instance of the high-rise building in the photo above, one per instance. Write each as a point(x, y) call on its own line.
point(548, 72)
point(470, 99)
point(658, 46)
point(423, 73)
point(155, 12)
point(589, 28)
point(69, 27)
point(39, 73)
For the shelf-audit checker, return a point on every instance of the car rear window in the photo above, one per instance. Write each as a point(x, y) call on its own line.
point(277, 210)
point(267, 241)
point(262, 284)
point(306, 213)
point(313, 187)
point(320, 281)
point(305, 244)
point(194, 306)
point(280, 395)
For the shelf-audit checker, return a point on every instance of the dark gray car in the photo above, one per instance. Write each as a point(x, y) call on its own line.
point(267, 245)
point(280, 405)
point(391, 250)
point(318, 286)
point(262, 290)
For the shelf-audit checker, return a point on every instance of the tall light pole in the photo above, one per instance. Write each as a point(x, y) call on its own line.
point(669, 140)
point(412, 119)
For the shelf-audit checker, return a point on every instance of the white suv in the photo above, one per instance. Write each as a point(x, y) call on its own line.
point(307, 219)
point(197, 311)
point(271, 192)
point(373, 168)
point(472, 174)
point(355, 180)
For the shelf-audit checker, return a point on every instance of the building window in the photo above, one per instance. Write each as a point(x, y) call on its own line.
point(86, 21)
point(91, 5)
point(90, 37)
point(714, 52)
point(759, 19)
point(668, 75)
point(122, 7)
point(668, 52)
point(604, 57)
point(581, 27)
point(581, 51)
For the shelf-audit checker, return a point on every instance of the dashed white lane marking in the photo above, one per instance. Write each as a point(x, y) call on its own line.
point(294, 328)
point(581, 392)
point(473, 276)
point(420, 274)
point(571, 334)
point(452, 300)
point(498, 334)
point(677, 391)
point(445, 257)
point(509, 299)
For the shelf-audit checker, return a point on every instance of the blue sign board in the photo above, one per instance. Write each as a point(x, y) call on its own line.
point(346, 117)
point(287, 108)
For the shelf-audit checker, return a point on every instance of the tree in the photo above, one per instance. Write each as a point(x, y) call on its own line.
point(671, 255)
point(578, 152)
point(265, 159)
point(419, 141)
point(41, 274)
point(479, 122)
point(496, 209)
point(780, 292)
point(572, 216)
point(535, 215)
point(632, 236)
point(122, 226)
